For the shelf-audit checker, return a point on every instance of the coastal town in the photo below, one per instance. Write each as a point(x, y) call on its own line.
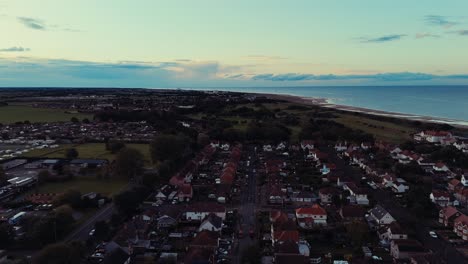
point(172, 176)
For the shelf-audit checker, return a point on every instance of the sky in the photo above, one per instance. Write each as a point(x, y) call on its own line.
point(242, 43)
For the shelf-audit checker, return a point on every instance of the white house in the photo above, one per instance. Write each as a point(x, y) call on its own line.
point(381, 216)
point(199, 211)
point(440, 167)
point(211, 223)
point(464, 180)
point(340, 146)
point(308, 217)
point(307, 144)
point(441, 198)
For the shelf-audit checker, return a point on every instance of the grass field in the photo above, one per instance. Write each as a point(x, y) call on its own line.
point(84, 185)
point(88, 151)
point(382, 130)
point(20, 113)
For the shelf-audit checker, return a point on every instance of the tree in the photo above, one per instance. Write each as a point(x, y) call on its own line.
point(3, 177)
point(169, 147)
point(6, 235)
point(252, 255)
point(86, 121)
point(61, 253)
point(129, 163)
point(74, 120)
point(127, 201)
point(358, 232)
point(43, 176)
point(101, 230)
point(115, 146)
point(203, 140)
point(71, 153)
point(71, 197)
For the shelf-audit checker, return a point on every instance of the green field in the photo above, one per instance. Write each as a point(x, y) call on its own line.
point(88, 151)
point(84, 185)
point(20, 113)
point(382, 130)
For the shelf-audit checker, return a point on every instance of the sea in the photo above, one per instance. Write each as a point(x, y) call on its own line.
point(444, 102)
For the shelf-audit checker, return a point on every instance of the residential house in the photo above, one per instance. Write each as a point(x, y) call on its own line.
point(440, 167)
point(307, 144)
point(392, 232)
point(326, 194)
point(351, 213)
point(447, 215)
point(440, 197)
point(407, 249)
point(308, 217)
point(380, 216)
point(185, 192)
point(460, 226)
point(358, 195)
point(211, 223)
point(199, 210)
point(283, 229)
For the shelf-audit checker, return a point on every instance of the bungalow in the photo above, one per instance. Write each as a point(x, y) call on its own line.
point(281, 146)
point(198, 211)
point(304, 197)
point(326, 194)
point(341, 146)
point(400, 187)
point(461, 145)
point(308, 217)
point(433, 136)
point(267, 148)
point(358, 195)
point(447, 215)
point(440, 167)
point(307, 144)
point(440, 197)
point(406, 249)
point(393, 232)
point(460, 226)
point(461, 195)
point(185, 192)
point(211, 223)
point(380, 216)
point(464, 179)
point(165, 221)
point(164, 193)
point(351, 213)
point(454, 184)
point(205, 240)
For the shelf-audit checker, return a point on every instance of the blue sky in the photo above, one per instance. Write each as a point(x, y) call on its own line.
point(174, 43)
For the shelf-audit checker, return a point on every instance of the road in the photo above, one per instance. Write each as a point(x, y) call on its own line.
point(443, 250)
point(82, 232)
point(247, 208)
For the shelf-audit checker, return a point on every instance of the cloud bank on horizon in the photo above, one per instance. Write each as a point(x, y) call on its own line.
point(185, 73)
point(213, 43)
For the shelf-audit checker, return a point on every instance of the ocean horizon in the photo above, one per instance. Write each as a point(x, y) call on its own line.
point(443, 101)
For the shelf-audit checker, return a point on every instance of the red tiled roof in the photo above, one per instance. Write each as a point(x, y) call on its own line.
point(286, 236)
point(312, 210)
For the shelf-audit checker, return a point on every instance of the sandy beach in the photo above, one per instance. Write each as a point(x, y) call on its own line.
point(323, 102)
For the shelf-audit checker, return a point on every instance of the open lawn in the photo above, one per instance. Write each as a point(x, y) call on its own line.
point(382, 130)
point(19, 113)
point(108, 187)
point(88, 151)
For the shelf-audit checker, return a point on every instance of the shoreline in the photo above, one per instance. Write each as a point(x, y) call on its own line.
point(324, 102)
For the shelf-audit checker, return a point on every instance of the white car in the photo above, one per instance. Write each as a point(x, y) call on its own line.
point(433, 234)
point(91, 233)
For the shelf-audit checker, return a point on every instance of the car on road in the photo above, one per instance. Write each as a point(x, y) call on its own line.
point(91, 233)
point(433, 234)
